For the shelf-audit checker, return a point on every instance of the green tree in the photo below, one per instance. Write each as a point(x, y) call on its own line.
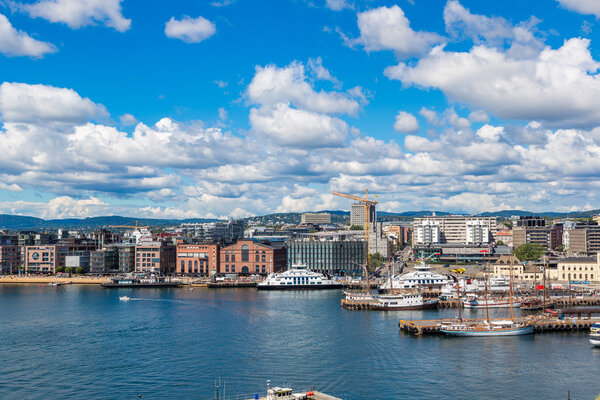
point(507, 224)
point(499, 243)
point(375, 261)
point(59, 269)
point(529, 251)
point(80, 270)
point(356, 228)
point(69, 270)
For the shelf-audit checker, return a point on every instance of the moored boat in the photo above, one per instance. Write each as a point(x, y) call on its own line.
point(421, 277)
point(595, 339)
point(144, 282)
point(403, 301)
point(485, 328)
point(298, 277)
point(473, 301)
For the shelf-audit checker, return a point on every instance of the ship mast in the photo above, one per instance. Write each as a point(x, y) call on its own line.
point(512, 317)
point(458, 302)
point(485, 276)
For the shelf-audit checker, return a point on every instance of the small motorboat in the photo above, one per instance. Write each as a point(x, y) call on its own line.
point(124, 298)
point(595, 339)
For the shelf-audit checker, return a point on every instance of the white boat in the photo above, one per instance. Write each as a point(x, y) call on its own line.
point(485, 328)
point(595, 328)
point(298, 277)
point(124, 298)
point(403, 301)
point(421, 277)
point(595, 339)
point(474, 301)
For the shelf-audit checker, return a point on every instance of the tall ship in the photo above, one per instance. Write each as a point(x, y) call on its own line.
point(421, 277)
point(141, 282)
point(298, 277)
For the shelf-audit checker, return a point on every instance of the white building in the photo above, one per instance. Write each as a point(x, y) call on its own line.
point(478, 231)
point(427, 231)
point(453, 228)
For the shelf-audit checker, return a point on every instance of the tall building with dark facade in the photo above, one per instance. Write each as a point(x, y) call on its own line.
point(332, 257)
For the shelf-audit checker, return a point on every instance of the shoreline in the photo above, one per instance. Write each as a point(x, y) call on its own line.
point(34, 280)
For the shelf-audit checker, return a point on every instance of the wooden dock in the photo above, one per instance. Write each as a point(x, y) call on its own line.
point(540, 325)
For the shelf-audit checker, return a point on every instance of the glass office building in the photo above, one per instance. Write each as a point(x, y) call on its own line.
point(332, 257)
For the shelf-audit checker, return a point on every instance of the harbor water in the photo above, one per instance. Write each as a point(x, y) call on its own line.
point(82, 342)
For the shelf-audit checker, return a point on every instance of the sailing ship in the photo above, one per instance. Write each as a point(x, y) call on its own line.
point(486, 327)
point(474, 301)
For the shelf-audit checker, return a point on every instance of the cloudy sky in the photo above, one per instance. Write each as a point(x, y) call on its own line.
point(245, 107)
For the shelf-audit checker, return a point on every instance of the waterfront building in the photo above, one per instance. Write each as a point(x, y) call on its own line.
point(550, 237)
point(126, 257)
point(332, 254)
point(580, 269)
point(454, 229)
point(10, 258)
point(316, 218)
point(81, 260)
point(155, 257)
point(357, 214)
point(104, 260)
point(197, 259)
point(41, 259)
point(249, 257)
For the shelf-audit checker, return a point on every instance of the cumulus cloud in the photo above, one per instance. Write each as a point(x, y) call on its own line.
point(559, 87)
point(78, 13)
point(20, 102)
point(190, 30)
point(272, 85)
point(127, 119)
point(406, 122)
point(18, 43)
point(588, 7)
point(292, 127)
point(387, 28)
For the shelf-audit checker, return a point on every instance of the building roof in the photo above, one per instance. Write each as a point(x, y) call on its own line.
point(506, 259)
point(574, 260)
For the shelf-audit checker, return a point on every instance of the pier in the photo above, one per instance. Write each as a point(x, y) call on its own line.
point(541, 325)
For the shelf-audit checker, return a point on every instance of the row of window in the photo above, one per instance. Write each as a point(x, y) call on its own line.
point(580, 276)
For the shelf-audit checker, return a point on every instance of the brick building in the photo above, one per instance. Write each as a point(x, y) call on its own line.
point(197, 259)
point(10, 258)
point(249, 257)
point(155, 257)
point(41, 259)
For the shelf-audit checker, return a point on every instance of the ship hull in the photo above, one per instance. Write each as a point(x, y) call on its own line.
point(497, 305)
point(300, 287)
point(140, 285)
point(526, 330)
point(425, 306)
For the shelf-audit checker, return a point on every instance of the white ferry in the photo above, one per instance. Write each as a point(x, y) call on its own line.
point(421, 277)
point(403, 301)
point(298, 277)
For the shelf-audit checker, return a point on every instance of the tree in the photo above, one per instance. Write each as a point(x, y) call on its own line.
point(356, 228)
point(499, 243)
point(69, 270)
point(529, 251)
point(80, 270)
point(59, 269)
point(375, 261)
point(507, 224)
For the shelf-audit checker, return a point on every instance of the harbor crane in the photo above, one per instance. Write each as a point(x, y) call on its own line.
point(136, 226)
point(367, 204)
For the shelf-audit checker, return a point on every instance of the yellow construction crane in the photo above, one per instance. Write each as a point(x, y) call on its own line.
point(136, 226)
point(367, 204)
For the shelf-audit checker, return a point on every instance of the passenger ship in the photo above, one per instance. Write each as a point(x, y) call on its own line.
point(421, 277)
point(297, 277)
point(404, 301)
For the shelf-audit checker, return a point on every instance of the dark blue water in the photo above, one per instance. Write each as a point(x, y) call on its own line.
point(83, 343)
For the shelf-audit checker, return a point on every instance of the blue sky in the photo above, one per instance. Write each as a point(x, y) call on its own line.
point(235, 108)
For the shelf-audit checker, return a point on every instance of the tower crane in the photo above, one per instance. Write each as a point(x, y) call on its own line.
point(367, 204)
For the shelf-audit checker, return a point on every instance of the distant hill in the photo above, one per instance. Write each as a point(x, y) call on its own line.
point(18, 222)
point(548, 214)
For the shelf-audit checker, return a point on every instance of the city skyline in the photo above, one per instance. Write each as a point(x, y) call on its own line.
point(238, 108)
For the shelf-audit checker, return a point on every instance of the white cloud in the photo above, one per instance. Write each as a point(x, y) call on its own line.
point(18, 43)
point(406, 122)
point(223, 114)
point(190, 30)
point(20, 102)
point(292, 127)
point(315, 66)
point(386, 28)
point(272, 85)
point(490, 133)
point(79, 13)
point(478, 116)
point(591, 7)
point(559, 87)
point(127, 119)
point(338, 5)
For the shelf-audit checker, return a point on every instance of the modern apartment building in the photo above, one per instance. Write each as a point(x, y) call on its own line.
point(155, 257)
point(10, 258)
point(454, 229)
point(316, 218)
point(550, 237)
point(357, 214)
point(197, 259)
point(582, 239)
point(104, 260)
point(250, 257)
point(41, 259)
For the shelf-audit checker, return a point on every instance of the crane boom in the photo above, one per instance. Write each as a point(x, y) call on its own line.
point(349, 196)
